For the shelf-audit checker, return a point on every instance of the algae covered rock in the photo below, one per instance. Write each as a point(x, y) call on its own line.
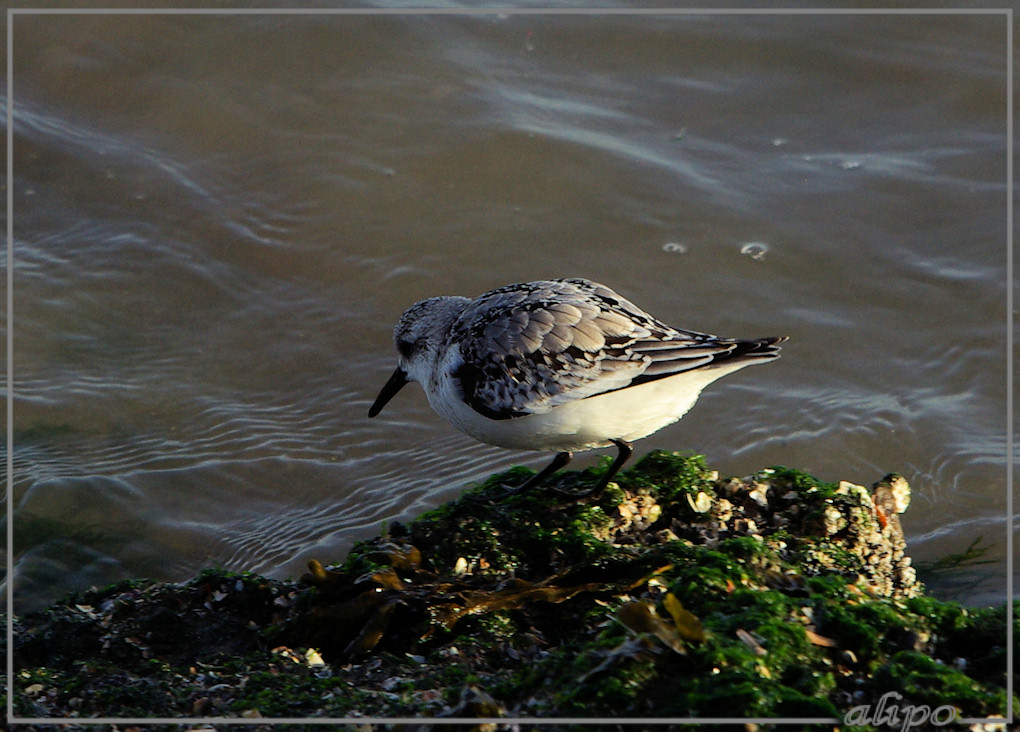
point(678, 594)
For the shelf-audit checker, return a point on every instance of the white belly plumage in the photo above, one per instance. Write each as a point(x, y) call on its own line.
point(625, 414)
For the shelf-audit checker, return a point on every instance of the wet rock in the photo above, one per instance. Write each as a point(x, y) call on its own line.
point(677, 594)
point(843, 527)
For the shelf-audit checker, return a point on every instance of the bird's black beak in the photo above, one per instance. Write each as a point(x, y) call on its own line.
point(389, 390)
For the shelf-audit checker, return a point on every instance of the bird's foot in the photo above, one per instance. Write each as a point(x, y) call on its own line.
point(492, 495)
point(592, 494)
point(536, 480)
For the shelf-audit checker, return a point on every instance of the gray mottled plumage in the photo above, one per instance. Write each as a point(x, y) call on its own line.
point(527, 348)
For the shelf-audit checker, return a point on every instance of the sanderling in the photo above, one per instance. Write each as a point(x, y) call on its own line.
point(558, 365)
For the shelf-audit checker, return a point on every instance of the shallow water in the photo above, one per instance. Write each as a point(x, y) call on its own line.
point(218, 219)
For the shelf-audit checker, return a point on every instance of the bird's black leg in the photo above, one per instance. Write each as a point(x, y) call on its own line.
point(561, 459)
point(625, 452)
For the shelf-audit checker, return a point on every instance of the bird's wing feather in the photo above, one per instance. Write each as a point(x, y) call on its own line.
point(527, 348)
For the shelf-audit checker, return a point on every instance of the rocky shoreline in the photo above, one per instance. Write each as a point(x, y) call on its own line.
point(678, 594)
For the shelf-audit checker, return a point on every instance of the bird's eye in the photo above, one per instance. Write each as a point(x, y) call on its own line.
point(406, 348)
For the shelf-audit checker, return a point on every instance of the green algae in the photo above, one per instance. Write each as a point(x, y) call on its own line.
point(542, 605)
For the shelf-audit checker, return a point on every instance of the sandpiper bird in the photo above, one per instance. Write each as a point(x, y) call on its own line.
point(558, 365)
